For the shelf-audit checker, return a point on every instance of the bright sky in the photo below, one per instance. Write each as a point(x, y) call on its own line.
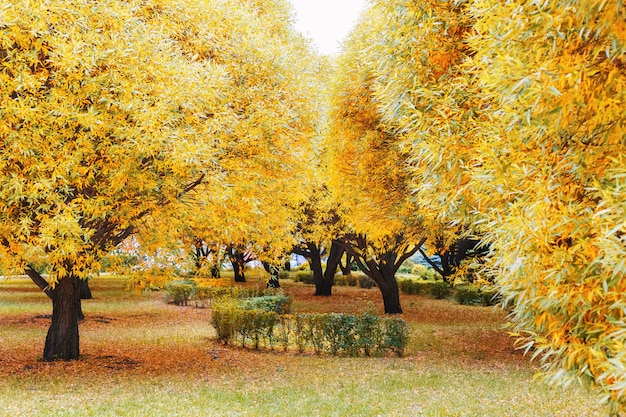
point(327, 22)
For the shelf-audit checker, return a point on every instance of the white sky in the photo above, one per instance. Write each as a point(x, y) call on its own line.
point(327, 22)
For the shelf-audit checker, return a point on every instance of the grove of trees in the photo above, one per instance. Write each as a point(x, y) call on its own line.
point(213, 124)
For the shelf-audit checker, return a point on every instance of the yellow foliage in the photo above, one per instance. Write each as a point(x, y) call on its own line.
point(514, 115)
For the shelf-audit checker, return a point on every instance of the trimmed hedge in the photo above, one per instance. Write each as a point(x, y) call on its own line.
point(473, 295)
point(332, 333)
point(183, 292)
point(438, 289)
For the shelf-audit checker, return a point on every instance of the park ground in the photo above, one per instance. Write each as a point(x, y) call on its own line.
point(144, 357)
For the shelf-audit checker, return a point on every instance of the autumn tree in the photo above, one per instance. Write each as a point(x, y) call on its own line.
point(514, 116)
point(105, 119)
point(318, 234)
point(266, 153)
point(367, 168)
point(554, 195)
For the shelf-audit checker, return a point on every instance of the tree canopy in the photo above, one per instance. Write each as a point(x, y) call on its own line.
point(513, 113)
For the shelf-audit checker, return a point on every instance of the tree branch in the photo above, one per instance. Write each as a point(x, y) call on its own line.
point(434, 265)
point(38, 280)
point(406, 255)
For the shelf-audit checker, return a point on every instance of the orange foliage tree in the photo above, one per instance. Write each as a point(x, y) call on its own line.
point(366, 169)
point(555, 196)
point(514, 115)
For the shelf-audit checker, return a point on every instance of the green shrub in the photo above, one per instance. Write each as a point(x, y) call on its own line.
point(441, 290)
point(467, 295)
point(395, 335)
point(225, 318)
point(334, 333)
point(366, 282)
point(283, 274)
point(279, 304)
point(409, 286)
point(489, 297)
point(346, 280)
point(180, 292)
point(305, 277)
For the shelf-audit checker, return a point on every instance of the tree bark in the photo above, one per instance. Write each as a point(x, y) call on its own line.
point(62, 340)
point(272, 269)
point(382, 269)
point(325, 285)
point(389, 289)
point(238, 268)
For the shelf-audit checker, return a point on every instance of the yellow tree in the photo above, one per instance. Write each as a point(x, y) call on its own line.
point(428, 98)
point(514, 114)
point(366, 166)
point(553, 191)
point(105, 119)
point(266, 153)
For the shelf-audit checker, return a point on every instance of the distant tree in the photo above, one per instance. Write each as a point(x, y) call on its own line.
point(366, 168)
point(239, 256)
point(317, 232)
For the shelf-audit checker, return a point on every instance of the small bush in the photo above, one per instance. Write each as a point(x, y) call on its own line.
point(305, 277)
point(467, 295)
point(180, 292)
point(440, 290)
point(395, 334)
point(366, 282)
point(346, 280)
point(279, 304)
point(489, 297)
point(409, 286)
point(283, 274)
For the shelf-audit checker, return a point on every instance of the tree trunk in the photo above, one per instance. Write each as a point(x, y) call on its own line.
point(62, 341)
point(324, 286)
point(273, 271)
point(315, 262)
point(238, 267)
point(390, 292)
point(84, 290)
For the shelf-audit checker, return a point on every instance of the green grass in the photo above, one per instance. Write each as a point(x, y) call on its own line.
point(142, 357)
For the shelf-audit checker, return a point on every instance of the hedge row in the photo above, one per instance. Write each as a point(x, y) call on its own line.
point(353, 280)
point(334, 333)
point(182, 292)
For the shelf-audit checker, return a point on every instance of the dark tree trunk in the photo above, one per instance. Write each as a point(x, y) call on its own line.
point(389, 290)
point(62, 341)
point(315, 262)
point(238, 268)
point(382, 269)
point(324, 278)
point(84, 290)
point(324, 286)
point(238, 258)
point(273, 271)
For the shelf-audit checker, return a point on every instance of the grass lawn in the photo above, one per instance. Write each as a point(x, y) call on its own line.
point(142, 357)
